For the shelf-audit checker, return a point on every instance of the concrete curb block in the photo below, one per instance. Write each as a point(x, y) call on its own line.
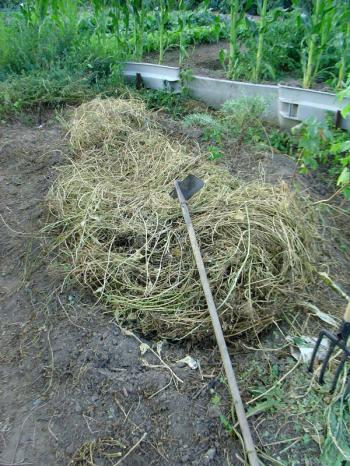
point(215, 92)
point(154, 76)
point(285, 106)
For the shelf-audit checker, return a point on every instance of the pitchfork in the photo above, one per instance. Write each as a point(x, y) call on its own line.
point(336, 341)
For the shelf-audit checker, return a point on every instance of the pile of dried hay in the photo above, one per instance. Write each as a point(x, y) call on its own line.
point(123, 236)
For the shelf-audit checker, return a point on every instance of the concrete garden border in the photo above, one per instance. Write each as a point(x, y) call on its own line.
point(286, 106)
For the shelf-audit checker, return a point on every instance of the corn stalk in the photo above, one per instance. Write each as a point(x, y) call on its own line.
point(182, 25)
point(233, 52)
point(98, 6)
point(262, 30)
point(126, 21)
point(326, 30)
point(318, 30)
point(35, 12)
point(139, 11)
point(163, 18)
point(115, 15)
point(344, 46)
point(42, 7)
point(66, 16)
point(344, 61)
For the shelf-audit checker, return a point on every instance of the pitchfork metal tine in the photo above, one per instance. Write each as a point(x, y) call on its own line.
point(313, 357)
point(347, 391)
point(336, 341)
point(325, 362)
point(338, 372)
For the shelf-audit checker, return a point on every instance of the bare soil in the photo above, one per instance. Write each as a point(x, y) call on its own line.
point(69, 376)
point(75, 389)
point(203, 59)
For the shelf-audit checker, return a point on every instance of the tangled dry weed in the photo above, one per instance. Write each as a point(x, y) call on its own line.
point(123, 236)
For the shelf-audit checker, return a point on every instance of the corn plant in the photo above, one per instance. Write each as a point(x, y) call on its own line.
point(34, 12)
point(126, 21)
point(139, 11)
point(120, 16)
point(234, 23)
point(182, 26)
point(345, 56)
point(4, 44)
point(237, 18)
point(318, 27)
point(98, 6)
point(66, 16)
point(267, 18)
point(342, 149)
point(342, 42)
point(262, 31)
point(57, 6)
point(320, 144)
point(164, 9)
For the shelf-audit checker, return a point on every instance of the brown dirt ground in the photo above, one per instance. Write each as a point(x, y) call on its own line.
point(68, 374)
point(74, 387)
point(203, 59)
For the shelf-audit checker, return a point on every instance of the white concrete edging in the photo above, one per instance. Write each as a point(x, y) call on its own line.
point(153, 76)
point(286, 106)
point(215, 92)
point(296, 104)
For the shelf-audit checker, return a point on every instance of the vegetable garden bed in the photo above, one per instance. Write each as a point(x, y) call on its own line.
point(76, 387)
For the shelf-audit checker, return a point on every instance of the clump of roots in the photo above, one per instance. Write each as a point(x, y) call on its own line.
point(123, 236)
point(103, 449)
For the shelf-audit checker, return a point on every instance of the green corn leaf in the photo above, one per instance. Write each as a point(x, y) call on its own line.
point(340, 147)
point(344, 178)
point(345, 111)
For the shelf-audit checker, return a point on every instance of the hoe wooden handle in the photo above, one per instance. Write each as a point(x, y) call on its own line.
point(347, 313)
point(231, 378)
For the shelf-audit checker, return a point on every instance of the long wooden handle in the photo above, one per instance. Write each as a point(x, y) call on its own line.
point(347, 313)
point(231, 378)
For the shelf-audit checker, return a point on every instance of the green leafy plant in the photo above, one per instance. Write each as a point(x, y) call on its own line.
point(213, 129)
point(342, 149)
point(176, 105)
point(336, 449)
point(223, 59)
point(186, 76)
point(281, 140)
point(320, 144)
point(239, 121)
point(314, 138)
point(34, 12)
point(275, 31)
point(215, 153)
point(243, 119)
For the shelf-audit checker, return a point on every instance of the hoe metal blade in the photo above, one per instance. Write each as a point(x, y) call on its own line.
point(189, 186)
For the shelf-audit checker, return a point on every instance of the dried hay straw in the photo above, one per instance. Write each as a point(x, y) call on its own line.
point(123, 236)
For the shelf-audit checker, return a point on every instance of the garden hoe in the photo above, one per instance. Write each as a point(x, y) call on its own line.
point(184, 190)
point(336, 341)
